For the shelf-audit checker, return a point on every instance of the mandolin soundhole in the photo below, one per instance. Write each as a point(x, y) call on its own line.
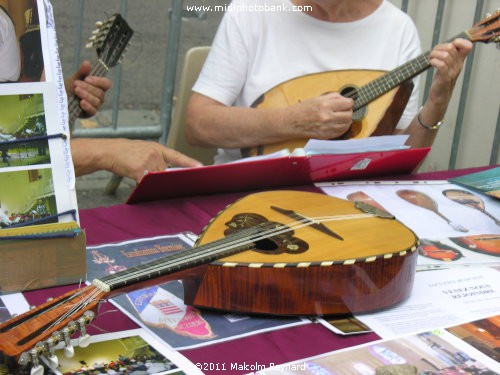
point(353, 93)
point(271, 244)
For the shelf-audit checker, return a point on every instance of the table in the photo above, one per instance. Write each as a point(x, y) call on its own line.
point(125, 222)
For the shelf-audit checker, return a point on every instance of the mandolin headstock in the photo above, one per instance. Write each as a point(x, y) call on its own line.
point(25, 338)
point(486, 30)
point(110, 39)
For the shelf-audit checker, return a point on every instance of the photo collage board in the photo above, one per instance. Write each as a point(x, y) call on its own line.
point(36, 171)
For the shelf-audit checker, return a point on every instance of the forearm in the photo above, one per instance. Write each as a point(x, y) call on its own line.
point(430, 114)
point(90, 155)
point(234, 127)
point(212, 124)
point(125, 157)
point(448, 60)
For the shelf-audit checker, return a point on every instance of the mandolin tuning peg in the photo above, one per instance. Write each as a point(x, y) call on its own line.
point(69, 351)
point(84, 341)
point(49, 350)
point(24, 359)
point(98, 24)
point(53, 361)
point(37, 370)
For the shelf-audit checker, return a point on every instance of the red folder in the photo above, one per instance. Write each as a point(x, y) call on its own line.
point(274, 172)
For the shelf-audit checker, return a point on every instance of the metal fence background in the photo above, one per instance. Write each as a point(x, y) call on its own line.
point(142, 99)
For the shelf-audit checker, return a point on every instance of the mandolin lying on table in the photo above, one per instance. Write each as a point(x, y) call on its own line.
point(278, 252)
point(380, 97)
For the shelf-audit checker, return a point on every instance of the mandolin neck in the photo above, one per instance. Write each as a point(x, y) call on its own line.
point(389, 81)
point(241, 241)
point(99, 69)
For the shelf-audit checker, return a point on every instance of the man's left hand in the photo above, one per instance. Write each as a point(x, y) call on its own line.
point(89, 89)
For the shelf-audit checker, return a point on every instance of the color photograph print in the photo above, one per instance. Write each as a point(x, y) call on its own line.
point(32, 108)
point(23, 58)
point(12, 304)
point(429, 353)
point(4, 312)
point(484, 335)
point(127, 352)
point(161, 310)
point(443, 252)
point(345, 325)
point(25, 196)
point(426, 207)
point(22, 118)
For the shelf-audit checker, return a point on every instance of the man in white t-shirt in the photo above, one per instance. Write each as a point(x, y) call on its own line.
point(256, 49)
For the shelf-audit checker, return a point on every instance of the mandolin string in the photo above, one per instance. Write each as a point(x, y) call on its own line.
point(390, 80)
point(63, 301)
point(75, 307)
point(238, 242)
point(86, 300)
point(234, 242)
point(243, 240)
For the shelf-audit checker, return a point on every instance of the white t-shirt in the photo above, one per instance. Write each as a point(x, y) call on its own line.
point(10, 60)
point(253, 51)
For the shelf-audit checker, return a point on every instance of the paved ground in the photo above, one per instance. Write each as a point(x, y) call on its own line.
point(90, 191)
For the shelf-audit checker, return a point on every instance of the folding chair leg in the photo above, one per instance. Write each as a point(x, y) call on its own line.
point(113, 184)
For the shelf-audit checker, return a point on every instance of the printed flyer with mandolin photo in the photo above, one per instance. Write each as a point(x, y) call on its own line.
point(456, 226)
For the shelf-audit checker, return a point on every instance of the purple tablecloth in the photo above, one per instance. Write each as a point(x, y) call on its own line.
point(125, 222)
